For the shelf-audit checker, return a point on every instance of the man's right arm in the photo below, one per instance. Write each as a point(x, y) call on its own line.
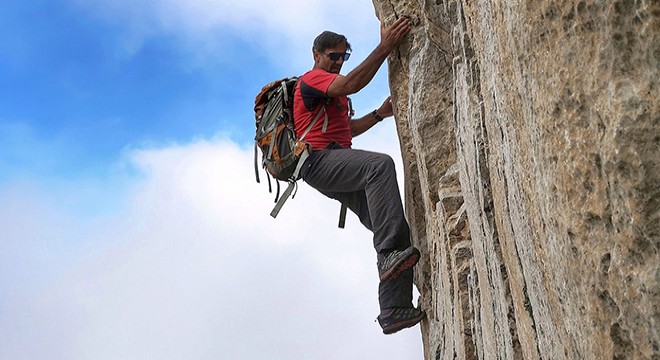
point(359, 77)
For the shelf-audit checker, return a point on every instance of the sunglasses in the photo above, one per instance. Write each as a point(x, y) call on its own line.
point(337, 56)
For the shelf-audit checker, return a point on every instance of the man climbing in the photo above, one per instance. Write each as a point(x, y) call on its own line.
point(363, 181)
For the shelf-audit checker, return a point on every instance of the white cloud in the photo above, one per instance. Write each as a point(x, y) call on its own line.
point(190, 267)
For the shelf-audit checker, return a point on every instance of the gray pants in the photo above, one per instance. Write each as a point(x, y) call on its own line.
point(366, 183)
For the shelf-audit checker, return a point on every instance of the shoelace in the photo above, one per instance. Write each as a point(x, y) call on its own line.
point(404, 313)
point(400, 313)
point(390, 258)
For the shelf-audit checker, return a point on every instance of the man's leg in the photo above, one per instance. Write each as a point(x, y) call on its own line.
point(366, 183)
point(392, 292)
point(337, 171)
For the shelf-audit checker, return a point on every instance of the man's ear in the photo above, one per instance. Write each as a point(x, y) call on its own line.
point(317, 56)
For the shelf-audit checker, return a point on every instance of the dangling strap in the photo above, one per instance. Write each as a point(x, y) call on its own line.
point(256, 167)
point(295, 191)
point(342, 216)
point(292, 184)
point(277, 194)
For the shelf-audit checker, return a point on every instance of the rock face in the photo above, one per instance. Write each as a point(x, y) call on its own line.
point(531, 133)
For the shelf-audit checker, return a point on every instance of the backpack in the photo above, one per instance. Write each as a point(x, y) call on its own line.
point(282, 151)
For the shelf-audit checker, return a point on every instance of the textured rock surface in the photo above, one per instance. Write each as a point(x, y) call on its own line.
point(531, 132)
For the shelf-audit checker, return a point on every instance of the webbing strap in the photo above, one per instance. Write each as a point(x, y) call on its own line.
point(273, 140)
point(286, 93)
point(303, 156)
point(316, 118)
point(292, 184)
point(280, 203)
point(325, 122)
point(256, 167)
point(342, 216)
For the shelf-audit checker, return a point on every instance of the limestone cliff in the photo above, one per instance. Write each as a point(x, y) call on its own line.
point(530, 132)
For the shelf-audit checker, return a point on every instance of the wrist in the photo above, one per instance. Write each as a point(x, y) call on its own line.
point(382, 50)
point(376, 116)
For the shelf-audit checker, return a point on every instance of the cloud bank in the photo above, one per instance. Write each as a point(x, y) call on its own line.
point(190, 266)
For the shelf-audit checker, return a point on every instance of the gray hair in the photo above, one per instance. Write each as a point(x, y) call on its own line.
point(328, 39)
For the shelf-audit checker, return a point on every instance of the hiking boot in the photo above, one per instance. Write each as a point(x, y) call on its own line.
point(396, 262)
point(396, 319)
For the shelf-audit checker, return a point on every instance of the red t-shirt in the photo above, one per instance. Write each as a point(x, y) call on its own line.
point(308, 100)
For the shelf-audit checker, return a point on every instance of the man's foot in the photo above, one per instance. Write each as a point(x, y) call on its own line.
point(396, 262)
point(395, 319)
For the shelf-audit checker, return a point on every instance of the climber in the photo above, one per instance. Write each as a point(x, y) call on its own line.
point(363, 181)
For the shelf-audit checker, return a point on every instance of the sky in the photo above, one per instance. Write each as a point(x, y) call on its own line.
point(131, 224)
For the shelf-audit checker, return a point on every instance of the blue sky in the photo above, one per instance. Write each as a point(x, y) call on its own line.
point(72, 85)
point(132, 226)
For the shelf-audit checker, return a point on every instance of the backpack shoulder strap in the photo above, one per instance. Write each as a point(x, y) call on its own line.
point(316, 118)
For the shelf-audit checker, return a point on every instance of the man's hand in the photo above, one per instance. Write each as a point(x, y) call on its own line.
point(359, 77)
point(392, 36)
point(366, 122)
point(385, 110)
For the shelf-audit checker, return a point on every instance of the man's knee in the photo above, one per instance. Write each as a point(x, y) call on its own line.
point(384, 164)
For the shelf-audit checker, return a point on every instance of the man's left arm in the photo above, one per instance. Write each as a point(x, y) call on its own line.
point(361, 125)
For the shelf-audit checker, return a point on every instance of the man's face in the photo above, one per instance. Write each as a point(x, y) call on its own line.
point(322, 60)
